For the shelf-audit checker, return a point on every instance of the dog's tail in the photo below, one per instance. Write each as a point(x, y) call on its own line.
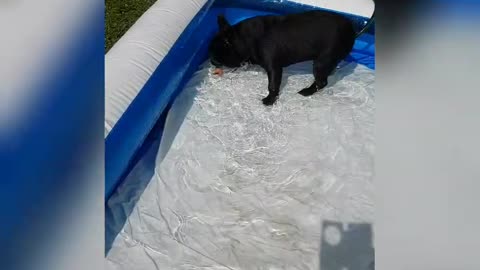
point(367, 26)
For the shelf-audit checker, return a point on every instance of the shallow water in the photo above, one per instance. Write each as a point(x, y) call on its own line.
point(238, 185)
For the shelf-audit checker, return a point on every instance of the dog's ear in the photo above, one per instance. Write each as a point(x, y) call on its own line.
point(222, 23)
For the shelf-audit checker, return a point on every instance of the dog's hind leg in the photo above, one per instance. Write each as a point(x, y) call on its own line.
point(274, 81)
point(321, 70)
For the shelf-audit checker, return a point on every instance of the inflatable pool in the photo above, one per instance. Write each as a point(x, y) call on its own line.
point(197, 180)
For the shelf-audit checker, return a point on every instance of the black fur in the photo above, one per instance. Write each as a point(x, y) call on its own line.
point(274, 42)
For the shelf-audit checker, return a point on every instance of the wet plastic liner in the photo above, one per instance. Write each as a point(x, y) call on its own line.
point(238, 185)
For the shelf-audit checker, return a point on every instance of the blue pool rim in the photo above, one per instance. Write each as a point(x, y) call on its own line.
point(123, 143)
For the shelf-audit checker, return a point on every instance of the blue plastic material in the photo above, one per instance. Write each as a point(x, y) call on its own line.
point(128, 134)
point(33, 162)
point(125, 139)
point(285, 7)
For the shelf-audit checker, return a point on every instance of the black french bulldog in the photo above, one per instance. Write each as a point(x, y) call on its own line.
point(274, 42)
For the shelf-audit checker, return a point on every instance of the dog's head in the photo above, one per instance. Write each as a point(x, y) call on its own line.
point(225, 48)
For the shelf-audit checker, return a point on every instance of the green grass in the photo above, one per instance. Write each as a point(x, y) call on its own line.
point(120, 15)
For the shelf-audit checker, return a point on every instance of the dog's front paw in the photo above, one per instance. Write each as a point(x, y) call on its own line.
point(269, 100)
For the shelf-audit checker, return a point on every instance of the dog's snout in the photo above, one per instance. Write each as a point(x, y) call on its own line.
point(215, 63)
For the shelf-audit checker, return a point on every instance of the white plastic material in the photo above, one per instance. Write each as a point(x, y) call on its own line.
point(356, 7)
point(238, 185)
point(133, 59)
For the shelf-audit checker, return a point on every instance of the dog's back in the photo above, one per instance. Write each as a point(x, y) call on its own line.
point(299, 37)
